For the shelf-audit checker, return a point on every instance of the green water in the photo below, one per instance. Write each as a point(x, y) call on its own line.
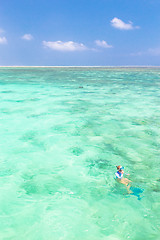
point(63, 131)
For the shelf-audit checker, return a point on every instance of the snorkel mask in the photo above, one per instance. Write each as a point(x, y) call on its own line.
point(121, 168)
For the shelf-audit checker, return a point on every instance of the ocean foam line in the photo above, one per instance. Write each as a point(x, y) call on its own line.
point(127, 66)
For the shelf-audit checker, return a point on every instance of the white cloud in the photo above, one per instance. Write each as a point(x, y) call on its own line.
point(148, 52)
point(3, 40)
point(27, 37)
point(154, 51)
point(140, 53)
point(118, 23)
point(65, 46)
point(103, 44)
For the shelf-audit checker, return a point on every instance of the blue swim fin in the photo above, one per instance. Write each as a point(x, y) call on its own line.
point(136, 192)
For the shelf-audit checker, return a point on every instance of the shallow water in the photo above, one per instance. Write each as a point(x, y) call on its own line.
point(63, 131)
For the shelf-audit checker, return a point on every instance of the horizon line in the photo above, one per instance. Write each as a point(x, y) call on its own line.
point(98, 66)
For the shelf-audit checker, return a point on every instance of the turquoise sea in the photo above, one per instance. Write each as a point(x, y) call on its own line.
point(62, 133)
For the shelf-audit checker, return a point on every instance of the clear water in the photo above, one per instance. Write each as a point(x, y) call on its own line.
point(63, 130)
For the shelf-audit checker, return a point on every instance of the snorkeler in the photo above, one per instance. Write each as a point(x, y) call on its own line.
point(121, 179)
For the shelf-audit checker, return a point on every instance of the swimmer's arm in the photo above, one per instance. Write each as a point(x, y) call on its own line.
point(126, 174)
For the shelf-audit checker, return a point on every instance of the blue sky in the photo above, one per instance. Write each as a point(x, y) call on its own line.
point(84, 32)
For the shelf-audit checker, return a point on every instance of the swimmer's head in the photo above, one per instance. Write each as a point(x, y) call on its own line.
point(120, 168)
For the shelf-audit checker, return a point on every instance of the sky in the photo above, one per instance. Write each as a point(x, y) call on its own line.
point(79, 32)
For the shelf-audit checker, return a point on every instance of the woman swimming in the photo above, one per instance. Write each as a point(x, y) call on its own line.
point(121, 179)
